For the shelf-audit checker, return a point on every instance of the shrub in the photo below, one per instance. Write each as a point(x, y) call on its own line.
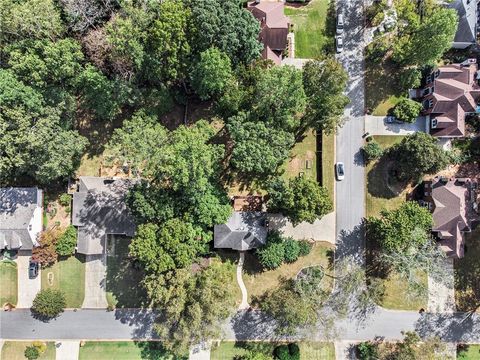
point(304, 247)
point(291, 249)
point(407, 110)
point(294, 351)
point(367, 351)
point(409, 78)
point(49, 303)
point(45, 253)
point(372, 151)
point(377, 20)
point(271, 255)
point(66, 243)
point(282, 352)
point(41, 346)
point(65, 200)
point(31, 353)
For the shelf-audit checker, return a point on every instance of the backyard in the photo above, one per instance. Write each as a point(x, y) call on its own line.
point(313, 27)
point(229, 350)
point(467, 275)
point(67, 275)
point(123, 275)
point(384, 194)
point(14, 350)
point(123, 350)
point(258, 281)
point(303, 159)
point(8, 279)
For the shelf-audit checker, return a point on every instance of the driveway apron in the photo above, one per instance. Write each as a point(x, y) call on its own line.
point(27, 288)
point(95, 282)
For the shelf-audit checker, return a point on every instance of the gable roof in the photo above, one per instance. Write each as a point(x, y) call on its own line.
point(244, 230)
point(98, 209)
point(17, 208)
point(467, 20)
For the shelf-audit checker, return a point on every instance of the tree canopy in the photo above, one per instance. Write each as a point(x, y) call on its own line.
point(407, 110)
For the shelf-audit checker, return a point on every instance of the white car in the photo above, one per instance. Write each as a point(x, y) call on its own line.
point(339, 43)
point(340, 171)
point(340, 25)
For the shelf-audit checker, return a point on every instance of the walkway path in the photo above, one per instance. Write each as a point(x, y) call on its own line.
point(95, 282)
point(376, 125)
point(441, 294)
point(244, 304)
point(67, 350)
point(27, 288)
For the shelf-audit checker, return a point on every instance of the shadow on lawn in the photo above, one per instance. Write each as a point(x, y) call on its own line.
point(382, 182)
point(380, 83)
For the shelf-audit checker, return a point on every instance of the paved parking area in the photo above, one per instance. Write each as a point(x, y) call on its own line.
point(95, 282)
point(376, 125)
point(27, 288)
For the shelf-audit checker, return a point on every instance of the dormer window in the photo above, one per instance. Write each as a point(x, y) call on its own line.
point(436, 73)
point(429, 79)
point(434, 123)
point(428, 91)
point(430, 103)
point(30, 227)
point(427, 104)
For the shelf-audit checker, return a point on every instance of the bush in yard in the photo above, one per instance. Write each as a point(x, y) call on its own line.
point(41, 346)
point(409, 78)
point(367, 350)
point(291, 250)
point(49, 303)
point(304, 247)
point(66, 243)
point(253, 355)
point(407, 110)
point(65, 200)
point(271, 255)
point(31, 353)
point(294, 351)
point(372, 151)
point(287, 352)
point(45, 253)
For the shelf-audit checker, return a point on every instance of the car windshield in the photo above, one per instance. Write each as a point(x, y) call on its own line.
point(340, 169)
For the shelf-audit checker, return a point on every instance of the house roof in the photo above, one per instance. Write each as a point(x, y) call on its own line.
point(17, 207)
point(455, 93)
point(274, 27)
point(450, 199)
point(467, 20)
point(243, 231)
point(98, 209)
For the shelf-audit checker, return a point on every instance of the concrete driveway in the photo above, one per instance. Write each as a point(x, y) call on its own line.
point(376, 125)
point(95, 282)
point(67, 350)
point(27, 288)
point(441, 292)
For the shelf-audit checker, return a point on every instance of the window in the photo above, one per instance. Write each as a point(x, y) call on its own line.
point(434, 123)
point(436, 73)
point(430, 103)
point(428, 91)
point(30, 227)
point(429, 79)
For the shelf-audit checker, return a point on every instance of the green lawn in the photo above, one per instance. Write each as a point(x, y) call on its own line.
point(381, 88)
point(468, 352)
point(229, 350)
point(14, 350)
point(8, 281)
point(381, 197)
point(467, 273)
point(123, 278)
point(303, 157)
point(123, 350)
point(313, 25)
point(259, 281)
point(67, 275)
point(328, 162)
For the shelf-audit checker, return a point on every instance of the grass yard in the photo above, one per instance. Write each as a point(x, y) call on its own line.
point(67, 275)
point(313, 25)
point(8, 281)
point(467, 273)
point(328, 163)
point(379, 196)
point(89, 165)
point(123, 277)
point(381, 89)
point(303, 157)
point(229, 350)
point(123, 350)
point(258, 282)
point(468, 352)
point(14, 350)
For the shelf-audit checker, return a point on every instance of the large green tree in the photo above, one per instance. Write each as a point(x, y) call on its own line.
point(300, 199)
point(407, 110)
point(226, 25)
point(417, 155)
point(174, 244)
point(325, 82)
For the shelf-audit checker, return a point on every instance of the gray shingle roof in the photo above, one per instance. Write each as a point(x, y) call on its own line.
point(98, 209)
point(243, 231)
point(17, 207)
point(467, 13)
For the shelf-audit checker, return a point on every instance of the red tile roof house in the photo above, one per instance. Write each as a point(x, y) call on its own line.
point(450, 93)
point(274, 27)
point(452, 202)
